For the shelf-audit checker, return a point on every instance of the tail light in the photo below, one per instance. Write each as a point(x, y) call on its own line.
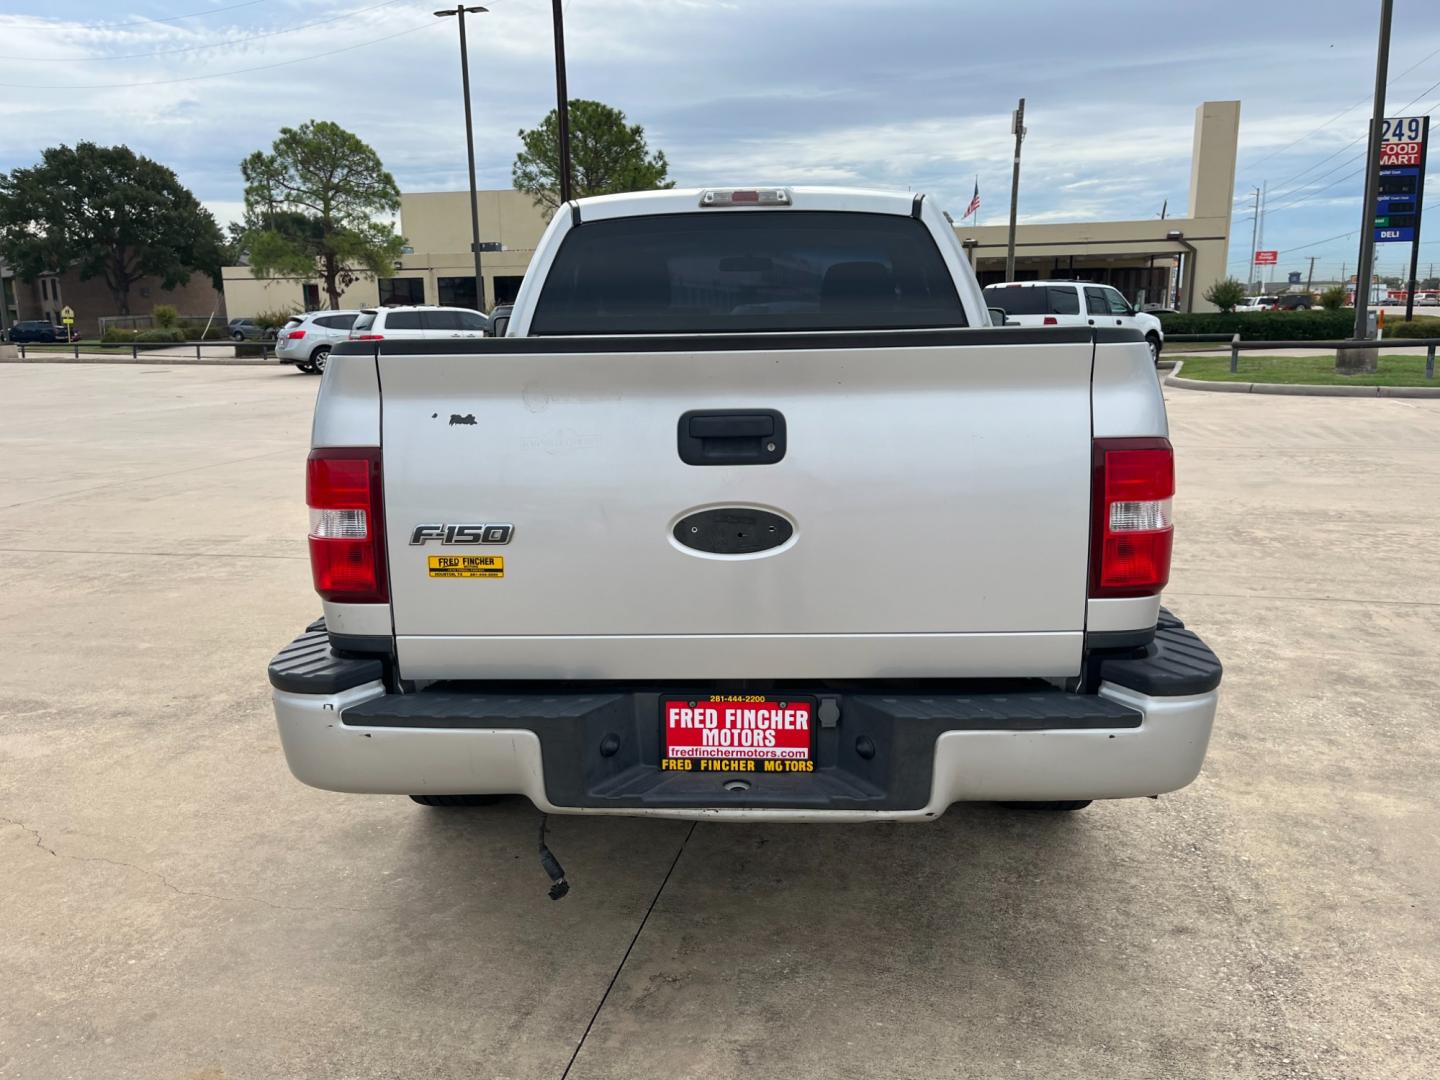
point(347, 525)
point(1132, 487)
point(367, 337)
point(295, 335)
point(1050, 320)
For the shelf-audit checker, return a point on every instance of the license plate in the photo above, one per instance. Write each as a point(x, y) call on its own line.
point(737, 733)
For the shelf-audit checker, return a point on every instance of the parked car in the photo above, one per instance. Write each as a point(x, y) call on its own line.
point(1073, 303)
point(250, 330)
point(37, 330)
point(1294, 302)
point(418, 323)
point(1427, 299)
point(752, 515)
point(1258, 303)
point(306, 340)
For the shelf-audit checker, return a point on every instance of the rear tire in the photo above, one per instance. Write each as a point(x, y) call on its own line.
point(237, 336)
point(306, 368)
point(456, 800)
point(1153, 340)
point(318, 358)
point(1053, 806)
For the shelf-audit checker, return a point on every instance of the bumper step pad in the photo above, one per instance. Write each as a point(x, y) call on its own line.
point(1175, 664)
point(309, 666)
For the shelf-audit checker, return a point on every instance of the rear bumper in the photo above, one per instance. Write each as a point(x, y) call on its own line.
point(931, 749)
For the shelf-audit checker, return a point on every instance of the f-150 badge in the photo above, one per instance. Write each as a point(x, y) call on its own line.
point(463, 534)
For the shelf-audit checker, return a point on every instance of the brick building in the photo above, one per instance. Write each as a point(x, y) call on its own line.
point(44, 297)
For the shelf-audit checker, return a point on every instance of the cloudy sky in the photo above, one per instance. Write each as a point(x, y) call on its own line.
point(910, 93)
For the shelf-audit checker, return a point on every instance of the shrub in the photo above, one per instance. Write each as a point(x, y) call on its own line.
point(196, 332)
point(1417, 327)
point(115, 335)
point(151, 337)
point(1226, 293)
point(166, 316)
point(1264, 325)
point(1333, 298)
point(273, 320)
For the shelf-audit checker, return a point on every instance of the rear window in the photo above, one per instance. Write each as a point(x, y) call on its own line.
point(1034, 299)
point(748, 271)
point(403, 320)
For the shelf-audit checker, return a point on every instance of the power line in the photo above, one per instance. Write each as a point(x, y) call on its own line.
point(167, 18)
point(221, 74)
point(215, 45)
point(1345, 112)
point(1423, 94)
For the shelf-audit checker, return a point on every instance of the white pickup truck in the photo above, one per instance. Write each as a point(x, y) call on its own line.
point(749, 513)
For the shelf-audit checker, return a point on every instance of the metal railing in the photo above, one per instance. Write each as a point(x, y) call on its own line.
point(137, 348)
point(1237, 346)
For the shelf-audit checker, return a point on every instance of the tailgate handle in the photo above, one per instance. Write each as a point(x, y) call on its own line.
point(731, 437)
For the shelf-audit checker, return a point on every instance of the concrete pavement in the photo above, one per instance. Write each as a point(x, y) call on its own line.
point(174, 905)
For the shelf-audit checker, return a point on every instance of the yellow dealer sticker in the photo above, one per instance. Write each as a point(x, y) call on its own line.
point(467, 566)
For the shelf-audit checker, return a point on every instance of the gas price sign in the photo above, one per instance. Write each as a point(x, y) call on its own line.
point(1402, 179)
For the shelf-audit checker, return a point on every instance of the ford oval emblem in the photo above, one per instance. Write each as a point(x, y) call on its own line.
point(733, 530)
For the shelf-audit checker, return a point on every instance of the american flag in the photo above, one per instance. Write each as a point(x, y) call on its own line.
point(974, 201)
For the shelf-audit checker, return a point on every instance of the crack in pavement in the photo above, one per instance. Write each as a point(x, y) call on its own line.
point(165, 881)
point(575, 1054)
point(143, 479)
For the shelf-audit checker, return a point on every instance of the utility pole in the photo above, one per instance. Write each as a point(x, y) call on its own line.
point(1017, 125)
point(1310, 280)
point(460, 11)
point(562, 100)
point(1254, 241)
point(1364, 360)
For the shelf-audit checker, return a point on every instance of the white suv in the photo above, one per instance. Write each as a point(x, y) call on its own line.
point(306, 340)
point(1072, 303)
point(422, 323)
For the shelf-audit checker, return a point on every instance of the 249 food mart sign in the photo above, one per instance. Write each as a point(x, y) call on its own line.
point(1402, 179)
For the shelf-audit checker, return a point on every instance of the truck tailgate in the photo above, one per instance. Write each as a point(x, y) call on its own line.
point(937, 484)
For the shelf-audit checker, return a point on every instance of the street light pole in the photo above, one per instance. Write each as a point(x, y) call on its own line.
point(460, 11)
point(562, 100)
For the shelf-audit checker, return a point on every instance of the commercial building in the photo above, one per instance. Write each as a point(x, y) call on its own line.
point(1150, 260)
point(437, 266)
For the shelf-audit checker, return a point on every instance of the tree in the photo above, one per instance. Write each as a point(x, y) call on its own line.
point(105, 212)
point(1333, 298)
point(1226, 293)
point(606, 156)
point(312, 207)
point(1430, 283)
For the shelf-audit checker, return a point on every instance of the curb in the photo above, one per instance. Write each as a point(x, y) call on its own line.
point(1294, 390)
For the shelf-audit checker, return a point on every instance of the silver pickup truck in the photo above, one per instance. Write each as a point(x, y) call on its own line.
point(752, 511)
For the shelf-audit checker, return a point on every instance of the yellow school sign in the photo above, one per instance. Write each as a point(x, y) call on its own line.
point(67, 315)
